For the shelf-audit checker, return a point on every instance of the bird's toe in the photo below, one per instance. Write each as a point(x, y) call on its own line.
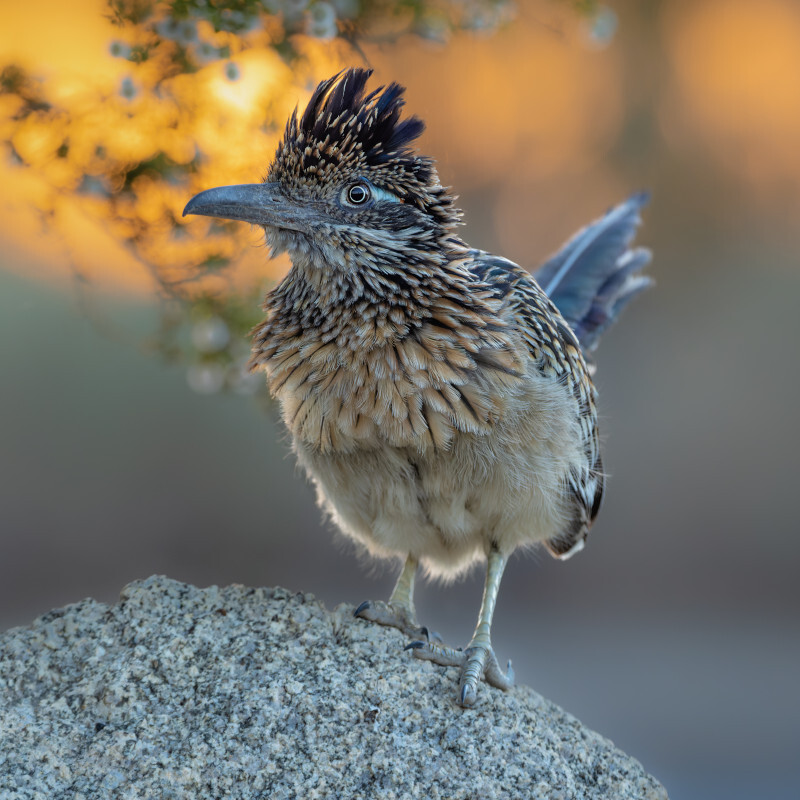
point(393, 615)
point(437, 652)
point(476, 663)
point(494, 675)
point(481, 664)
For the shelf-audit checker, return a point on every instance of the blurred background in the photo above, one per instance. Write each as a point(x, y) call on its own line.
point(131, 444)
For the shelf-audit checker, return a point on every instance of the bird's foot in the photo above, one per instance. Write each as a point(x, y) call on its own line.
point(394, 615)
point(476, 662)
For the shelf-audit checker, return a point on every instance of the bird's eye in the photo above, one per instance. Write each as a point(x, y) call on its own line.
point(358, 194)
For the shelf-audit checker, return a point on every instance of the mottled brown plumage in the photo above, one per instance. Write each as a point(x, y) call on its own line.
point(434, 393)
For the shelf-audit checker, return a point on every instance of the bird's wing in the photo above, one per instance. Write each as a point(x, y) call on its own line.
point(596, 274)
point(550, 341)
point(556, 354)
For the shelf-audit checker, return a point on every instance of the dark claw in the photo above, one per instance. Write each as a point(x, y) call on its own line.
point(358, 611)
point(463, 695)
point(414, 646)
point(424, 632)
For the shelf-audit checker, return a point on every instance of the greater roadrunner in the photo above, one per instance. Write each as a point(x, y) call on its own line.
point(437, 396)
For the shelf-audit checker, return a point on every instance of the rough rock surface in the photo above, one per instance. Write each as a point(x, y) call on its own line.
point(178, 692)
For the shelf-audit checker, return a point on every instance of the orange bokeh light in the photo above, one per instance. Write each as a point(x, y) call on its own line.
point(736, 95)
point(527, 95)
point(532, 103)
point(213, 119)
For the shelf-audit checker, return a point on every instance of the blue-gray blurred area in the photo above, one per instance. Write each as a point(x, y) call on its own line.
point(675, 633)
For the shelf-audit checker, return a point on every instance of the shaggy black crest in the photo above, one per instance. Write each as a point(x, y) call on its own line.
point(377, 126)
point(347, 132)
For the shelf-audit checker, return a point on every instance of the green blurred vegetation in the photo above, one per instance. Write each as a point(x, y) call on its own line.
point(132, 157)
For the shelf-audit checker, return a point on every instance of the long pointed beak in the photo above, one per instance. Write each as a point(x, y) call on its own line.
point(259, 203)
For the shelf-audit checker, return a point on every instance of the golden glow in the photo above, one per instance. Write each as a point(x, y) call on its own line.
point(68, 41)
point(527, 101)
point(736, 65)
point(531, 103)
point(65, 197)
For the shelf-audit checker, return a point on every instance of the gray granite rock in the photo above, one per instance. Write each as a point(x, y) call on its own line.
point(178, 692)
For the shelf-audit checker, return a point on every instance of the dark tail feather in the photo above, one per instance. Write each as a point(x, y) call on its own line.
point(594, 276)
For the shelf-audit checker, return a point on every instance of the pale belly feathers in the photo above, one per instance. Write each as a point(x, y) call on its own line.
point(494, 476)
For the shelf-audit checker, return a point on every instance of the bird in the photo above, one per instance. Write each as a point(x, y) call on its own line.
point(439, 398)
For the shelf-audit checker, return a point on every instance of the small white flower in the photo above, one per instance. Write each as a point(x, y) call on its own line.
point(187, 32)
point(128, 88)
point(231, 20)
point(205, 378)
point(168, 28)
point(321, 21)
point(211, 335)
point(93, 186)
point(433, 28)
point(293, 10)
point(119, 49)
point(601, 29)
point(204, 53)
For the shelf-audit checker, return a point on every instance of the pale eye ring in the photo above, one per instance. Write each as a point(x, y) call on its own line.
point(358, 194)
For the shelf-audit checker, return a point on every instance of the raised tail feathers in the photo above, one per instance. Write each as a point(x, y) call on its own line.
point(596, 274)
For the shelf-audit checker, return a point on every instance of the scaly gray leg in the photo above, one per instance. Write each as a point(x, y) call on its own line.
point(399, 611)
point(478, 660)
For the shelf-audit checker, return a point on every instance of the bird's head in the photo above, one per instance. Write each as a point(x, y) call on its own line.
point(345, 189)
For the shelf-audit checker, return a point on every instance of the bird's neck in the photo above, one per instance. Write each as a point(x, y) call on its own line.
point(360, 300)
point(357, 357)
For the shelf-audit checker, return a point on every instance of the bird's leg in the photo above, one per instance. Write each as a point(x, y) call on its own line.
point(399, 611)
point(478, 660)
point(481, 660)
